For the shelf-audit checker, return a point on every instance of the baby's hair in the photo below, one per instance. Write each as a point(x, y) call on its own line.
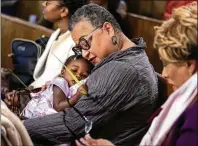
point(73, 57)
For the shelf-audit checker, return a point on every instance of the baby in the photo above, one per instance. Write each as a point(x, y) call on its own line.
point(53, 98)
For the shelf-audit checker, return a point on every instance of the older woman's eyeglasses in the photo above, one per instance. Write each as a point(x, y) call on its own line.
point(84, 43)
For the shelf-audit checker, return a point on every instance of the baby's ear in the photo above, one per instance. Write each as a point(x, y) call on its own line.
point(62, 72)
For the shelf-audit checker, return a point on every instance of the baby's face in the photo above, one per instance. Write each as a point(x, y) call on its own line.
point(79, 68)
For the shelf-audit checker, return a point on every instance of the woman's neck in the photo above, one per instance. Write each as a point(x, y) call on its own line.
point(63, 25)
point(125, 43)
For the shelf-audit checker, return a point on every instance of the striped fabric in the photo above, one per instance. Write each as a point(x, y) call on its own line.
point(122, 95)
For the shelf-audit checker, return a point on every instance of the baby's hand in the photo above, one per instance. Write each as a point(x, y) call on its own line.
point(83, 89)
point(11, 98)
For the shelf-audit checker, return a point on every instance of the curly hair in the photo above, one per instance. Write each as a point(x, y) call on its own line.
point(95, 14)
point(176, 38)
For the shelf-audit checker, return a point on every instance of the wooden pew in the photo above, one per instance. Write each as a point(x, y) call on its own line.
point(11, 28)
point(25, 8)
point(142, 26)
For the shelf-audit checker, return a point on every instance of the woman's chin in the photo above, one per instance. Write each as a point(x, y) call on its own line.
point(174, 87)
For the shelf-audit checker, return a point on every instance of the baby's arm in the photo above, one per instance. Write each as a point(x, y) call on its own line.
point(59, 99)
point(60, 102)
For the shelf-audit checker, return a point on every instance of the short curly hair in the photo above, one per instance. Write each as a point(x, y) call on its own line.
point(95, 14)
point(176, 38)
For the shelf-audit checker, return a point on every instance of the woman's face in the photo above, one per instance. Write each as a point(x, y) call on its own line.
point(176, 74)
point(99, 40)
point(52, 10)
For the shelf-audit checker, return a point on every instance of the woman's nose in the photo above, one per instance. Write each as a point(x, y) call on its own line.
point(164, 73)
point(85, 54)
point(78, 76)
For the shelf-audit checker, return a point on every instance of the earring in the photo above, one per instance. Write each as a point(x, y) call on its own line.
point(114, 40)
point(190, 73)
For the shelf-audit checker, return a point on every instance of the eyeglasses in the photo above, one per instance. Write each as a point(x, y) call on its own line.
point(88, 123)
point(84, 43)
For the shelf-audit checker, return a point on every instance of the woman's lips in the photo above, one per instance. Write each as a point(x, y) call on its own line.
point(93, 60)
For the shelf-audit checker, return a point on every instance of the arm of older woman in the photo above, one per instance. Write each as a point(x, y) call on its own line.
point(103, 94)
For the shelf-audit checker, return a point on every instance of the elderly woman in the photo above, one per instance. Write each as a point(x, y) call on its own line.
point(176, 41)
point(122, 89)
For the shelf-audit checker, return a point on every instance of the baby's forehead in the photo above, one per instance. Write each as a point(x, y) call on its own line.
point(79, 62)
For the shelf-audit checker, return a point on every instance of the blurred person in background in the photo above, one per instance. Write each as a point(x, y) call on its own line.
point(9, 7)
point(119, 10)
point(171, 4)
point(60, 42)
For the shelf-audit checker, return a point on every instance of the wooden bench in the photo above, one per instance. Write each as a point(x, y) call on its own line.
point(11, 28)
point(142, 26)
point(25, 8)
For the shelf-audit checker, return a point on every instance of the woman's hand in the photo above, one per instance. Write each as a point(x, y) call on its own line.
point(89, 141)
point(11, 98)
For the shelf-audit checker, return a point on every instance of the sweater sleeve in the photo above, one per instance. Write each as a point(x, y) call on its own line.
point(111, 88)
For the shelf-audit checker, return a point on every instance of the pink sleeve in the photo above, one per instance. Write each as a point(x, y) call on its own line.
point(62, 84)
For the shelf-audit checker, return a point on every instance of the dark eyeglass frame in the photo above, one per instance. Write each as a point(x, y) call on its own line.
point(84, 40)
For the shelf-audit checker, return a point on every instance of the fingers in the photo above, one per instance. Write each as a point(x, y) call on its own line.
point(7, 102)
point(16, 99)
point(80, 143)
point(88, 137)
point(43, 87)
point(91, 141)
point(12, 98)
point(84, 142)
point(9, 97)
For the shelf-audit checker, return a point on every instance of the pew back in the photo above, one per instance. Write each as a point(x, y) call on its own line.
point(11, 28)
point(25, 8)
point(142, 26)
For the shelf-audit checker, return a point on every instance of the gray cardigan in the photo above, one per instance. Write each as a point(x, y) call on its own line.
point(122, 94)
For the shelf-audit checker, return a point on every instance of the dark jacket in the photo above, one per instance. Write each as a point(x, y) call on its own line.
point(185, 131)
point(122, 94)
